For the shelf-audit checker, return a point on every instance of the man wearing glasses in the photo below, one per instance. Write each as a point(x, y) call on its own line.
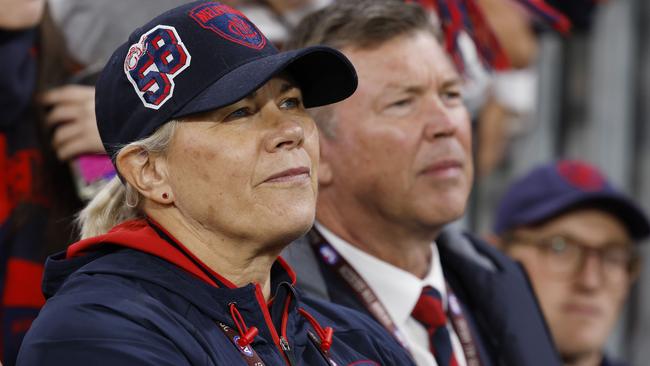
point(574, 233)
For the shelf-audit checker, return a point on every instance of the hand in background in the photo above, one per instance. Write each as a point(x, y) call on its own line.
point(72, 118)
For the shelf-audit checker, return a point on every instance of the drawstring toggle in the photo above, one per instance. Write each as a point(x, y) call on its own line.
point(246, 334)
point(248, 337)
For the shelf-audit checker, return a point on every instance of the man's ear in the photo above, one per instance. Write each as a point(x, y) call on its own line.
point(325, 174)
point(147, 173)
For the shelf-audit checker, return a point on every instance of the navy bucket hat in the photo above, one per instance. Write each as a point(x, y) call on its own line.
point(198, 57)
point(552, 189)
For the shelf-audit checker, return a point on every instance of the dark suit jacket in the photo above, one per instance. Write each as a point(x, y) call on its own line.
point(494, 292)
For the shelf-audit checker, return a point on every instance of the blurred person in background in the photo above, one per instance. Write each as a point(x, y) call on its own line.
point(94, 28)
point(396, 168)
point(43, 125)
point(575, 235)
point(510, 96)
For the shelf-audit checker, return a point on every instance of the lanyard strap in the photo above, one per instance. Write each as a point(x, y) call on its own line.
point(247, 352)
point(462, 329)
point(359, 286)
point(331, 257)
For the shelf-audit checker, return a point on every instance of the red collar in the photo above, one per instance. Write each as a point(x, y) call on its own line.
point(138, 234)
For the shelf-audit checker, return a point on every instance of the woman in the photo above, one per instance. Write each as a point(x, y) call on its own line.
point(217, 158)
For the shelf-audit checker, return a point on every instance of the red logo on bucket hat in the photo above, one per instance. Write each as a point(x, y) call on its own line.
point(229, 24)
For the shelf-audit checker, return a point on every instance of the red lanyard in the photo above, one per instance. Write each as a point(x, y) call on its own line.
point(367, 296)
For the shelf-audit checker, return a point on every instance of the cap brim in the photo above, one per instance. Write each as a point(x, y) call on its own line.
point(627, 211)
point(324, 75)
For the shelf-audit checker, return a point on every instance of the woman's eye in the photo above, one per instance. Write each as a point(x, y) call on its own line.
point(291, 103)
point(239, 113)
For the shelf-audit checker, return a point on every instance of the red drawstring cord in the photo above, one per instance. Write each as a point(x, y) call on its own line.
point(285, 317)
point(325, 335)
point(246, 335)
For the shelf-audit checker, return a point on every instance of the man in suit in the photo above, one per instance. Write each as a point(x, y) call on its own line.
point(575, 235)
point(396, 167)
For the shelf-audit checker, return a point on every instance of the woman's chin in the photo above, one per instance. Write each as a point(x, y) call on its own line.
point(289, 228)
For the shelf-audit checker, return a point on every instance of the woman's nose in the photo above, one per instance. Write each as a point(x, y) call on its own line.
point(286, 131)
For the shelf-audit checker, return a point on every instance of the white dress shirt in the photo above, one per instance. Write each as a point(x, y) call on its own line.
point(399, 291)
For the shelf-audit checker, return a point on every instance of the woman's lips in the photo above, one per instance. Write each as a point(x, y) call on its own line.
point(289, 175)
point(443, 168)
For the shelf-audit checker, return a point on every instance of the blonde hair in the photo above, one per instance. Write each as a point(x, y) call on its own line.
point(118, 201)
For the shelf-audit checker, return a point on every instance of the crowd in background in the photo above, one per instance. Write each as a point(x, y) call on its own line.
point(542, 81)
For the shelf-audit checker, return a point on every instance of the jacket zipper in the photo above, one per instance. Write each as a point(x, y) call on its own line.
point(284, 344)
point(287, 355)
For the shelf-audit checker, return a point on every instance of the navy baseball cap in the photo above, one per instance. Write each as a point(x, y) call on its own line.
point(202, 56)
point(552, 189)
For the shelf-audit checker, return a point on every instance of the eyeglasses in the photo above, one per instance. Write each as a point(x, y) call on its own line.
point(565, 257)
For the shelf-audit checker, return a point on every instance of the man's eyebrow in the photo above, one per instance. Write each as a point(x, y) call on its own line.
point(453, 81)
point(404, 87)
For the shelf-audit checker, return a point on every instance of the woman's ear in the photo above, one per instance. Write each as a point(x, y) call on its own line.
point(145, 172)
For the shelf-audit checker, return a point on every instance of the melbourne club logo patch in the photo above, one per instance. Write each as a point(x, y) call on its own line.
point(152, 64)
point(229, 24)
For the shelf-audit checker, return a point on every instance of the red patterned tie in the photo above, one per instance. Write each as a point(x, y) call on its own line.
point(430, 313)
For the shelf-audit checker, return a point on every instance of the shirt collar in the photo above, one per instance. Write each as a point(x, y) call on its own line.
point(398, 290)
